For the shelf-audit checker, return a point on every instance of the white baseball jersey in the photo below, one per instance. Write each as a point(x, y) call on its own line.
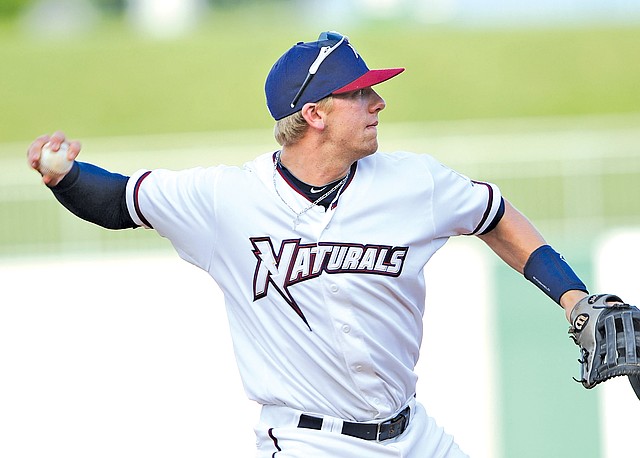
point(325, 317)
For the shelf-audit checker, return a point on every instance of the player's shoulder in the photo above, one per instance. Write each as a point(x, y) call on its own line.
point(399, 159)
point(398, 156)
point(261, 162)
point(416, 169)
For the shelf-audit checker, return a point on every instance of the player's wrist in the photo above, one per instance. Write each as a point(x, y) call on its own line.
point(569, 300)
point(65, 180)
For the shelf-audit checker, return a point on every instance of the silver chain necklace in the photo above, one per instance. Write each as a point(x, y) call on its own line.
point(296, 220)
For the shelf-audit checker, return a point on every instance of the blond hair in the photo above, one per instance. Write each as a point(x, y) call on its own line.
point(292, 128)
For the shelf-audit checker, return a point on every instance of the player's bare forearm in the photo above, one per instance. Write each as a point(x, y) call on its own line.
point(514, 238)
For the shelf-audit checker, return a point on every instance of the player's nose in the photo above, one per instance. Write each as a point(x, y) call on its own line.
point(376, 103)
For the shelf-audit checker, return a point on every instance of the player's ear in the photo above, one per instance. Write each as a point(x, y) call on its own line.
point(314, 116)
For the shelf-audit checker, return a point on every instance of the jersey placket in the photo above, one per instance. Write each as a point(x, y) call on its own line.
point(349, 333)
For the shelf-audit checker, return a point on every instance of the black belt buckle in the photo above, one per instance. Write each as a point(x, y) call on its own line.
point(394, 427)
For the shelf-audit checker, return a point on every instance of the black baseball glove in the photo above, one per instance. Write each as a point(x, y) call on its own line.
point(608, 334)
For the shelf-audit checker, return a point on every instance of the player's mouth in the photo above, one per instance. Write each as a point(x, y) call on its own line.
point(374, 125)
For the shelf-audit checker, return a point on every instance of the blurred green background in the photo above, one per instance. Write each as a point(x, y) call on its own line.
point(111, 80)
point(549, 111)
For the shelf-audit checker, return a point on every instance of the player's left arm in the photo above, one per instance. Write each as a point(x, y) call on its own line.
point(517, 242)
point(605, 329)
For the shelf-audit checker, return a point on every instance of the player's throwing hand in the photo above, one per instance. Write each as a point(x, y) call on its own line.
point(56, 143)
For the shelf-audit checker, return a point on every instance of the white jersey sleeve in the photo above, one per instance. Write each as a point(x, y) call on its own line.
point(180, 206)
point(461, 206)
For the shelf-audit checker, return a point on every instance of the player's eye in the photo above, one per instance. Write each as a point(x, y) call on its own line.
point(359, 93)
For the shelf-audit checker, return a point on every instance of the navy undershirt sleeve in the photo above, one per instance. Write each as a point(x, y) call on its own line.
point(95, 195)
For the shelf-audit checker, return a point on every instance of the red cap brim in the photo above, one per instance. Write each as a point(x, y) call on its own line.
point(369, 79)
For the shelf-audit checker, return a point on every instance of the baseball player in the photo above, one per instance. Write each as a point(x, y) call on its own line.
point(319, 249)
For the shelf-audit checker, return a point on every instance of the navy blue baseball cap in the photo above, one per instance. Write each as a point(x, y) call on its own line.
point(311, 71)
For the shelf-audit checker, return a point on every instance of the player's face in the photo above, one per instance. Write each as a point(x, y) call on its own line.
point(352, 124)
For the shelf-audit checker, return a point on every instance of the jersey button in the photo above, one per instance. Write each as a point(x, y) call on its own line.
point(346, 329)
point(334, 288)
point(358, 368)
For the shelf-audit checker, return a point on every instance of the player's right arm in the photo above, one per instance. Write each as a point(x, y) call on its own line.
point(89, 192)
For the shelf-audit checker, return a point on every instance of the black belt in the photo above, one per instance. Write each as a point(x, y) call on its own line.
point(367, 431)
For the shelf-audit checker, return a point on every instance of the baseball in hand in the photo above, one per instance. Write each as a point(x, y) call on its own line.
point(54, 163)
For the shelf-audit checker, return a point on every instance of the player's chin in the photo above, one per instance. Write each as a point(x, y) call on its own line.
point(371, 134)
point(367, 144)
point(370, 149)
point(363, 150)
point(372, 143)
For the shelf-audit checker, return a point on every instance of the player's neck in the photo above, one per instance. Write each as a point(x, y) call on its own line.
point(312, 167)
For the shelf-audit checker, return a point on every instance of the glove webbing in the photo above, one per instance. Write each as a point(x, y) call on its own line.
point(620, 348)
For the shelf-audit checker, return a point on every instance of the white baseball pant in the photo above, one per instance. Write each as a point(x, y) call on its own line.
point(278, 436)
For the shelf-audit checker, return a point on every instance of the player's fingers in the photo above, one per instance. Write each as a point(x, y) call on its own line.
point(56, 140)
point(74, 149)
point(34, 150)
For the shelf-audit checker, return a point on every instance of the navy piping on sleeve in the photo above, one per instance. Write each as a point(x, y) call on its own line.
point(489, 205)
point(499, 213)
point(136, 203)
point(496, 219)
